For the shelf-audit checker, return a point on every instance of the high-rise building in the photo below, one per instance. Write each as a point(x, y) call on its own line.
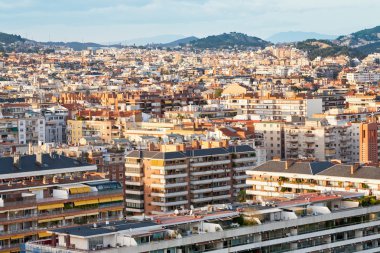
point(44, 191)
point(368, 143)
point(159, 182)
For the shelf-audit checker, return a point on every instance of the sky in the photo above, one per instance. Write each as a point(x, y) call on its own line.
point(119, 20)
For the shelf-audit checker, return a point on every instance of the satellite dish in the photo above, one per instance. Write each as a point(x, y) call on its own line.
point(176, 212)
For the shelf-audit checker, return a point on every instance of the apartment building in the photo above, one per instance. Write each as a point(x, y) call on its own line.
point(363, 77)
point(78, 129)
point(105, 124)
point(159, 182)
point(270, 136)
point(368, 143)
point(22, 130)
point(55, 118)
point(110, 162)
point(316, 139)
point(285, 178)
point(334, 223)
point(44, 191)
point(276, 108)
point(332, 98)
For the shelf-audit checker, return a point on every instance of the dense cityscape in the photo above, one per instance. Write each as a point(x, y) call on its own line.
point(226, 143)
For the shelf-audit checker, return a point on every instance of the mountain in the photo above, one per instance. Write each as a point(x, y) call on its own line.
point(179, 42)
point(227, 40)
point(360, 38)
point(161, 39)
point(326, 48)
point(7, 39)
point(294, 36)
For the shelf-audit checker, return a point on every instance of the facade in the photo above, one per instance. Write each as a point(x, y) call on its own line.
point(363, 77)
point(43, 191)
point(271, 136)
point(323, 142)
point(23, 130)
point(273, 108)
point(285, 178)
point(56, 118)
point(308, 223)
point(368, 143)
point(159, 182)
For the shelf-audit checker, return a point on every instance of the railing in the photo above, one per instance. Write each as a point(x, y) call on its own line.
point(35, 203)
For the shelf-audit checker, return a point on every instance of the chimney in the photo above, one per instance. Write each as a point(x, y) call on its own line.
point(39, 158)
point(354, 168)
point(30, 149)
point(16, 160)
point(288, 163)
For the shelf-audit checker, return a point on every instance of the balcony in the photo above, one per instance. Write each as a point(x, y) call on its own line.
point(208, 172)
point(136, 201)
point(168, 195)
point(221, 188)
point(202, 199)
point(134, 210)
point(245, 159)
point(174, 203)
point(197, 191)
point(133, 165)
point(238, 177)
point(210, 163)
point(166, 176)
point(243, 168)
point(209, 181)
point(239, 186)
point(168, 185)
point(136, 192)
point(135, 183)
point(169, 167)
point(221, 197)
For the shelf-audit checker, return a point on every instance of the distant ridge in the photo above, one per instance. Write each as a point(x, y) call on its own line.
point(6, 38)
point(360, 38)
point(180, 42)
point(227, 40)
point(296, 36)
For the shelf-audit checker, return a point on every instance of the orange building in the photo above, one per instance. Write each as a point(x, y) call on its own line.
point(368, 143)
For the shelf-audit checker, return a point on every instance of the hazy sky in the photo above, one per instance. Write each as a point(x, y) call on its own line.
point(117, 20)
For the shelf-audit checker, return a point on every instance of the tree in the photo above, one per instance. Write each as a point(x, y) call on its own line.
point(242, 196)
point(218, 93)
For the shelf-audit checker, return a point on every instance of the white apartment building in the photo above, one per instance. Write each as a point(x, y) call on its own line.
point(323, 142)
point(363, 77)
point(270, 136)
point(22, 130)
point(272, 108)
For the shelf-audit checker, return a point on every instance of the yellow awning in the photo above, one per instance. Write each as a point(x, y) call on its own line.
point(86, 202)
point(15, 237)
point(115, 209)
point(105, 200)
point(51, 206)
point(81, 189)
point(44, 234)
point(52, 219)
point(117, 198)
